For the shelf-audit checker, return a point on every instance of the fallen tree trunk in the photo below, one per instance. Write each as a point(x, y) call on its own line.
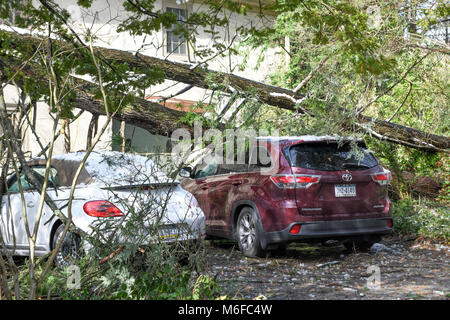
point(279, 97)
point(396, 133)
point(147, 115)
point(142, 113)
point(151, 116)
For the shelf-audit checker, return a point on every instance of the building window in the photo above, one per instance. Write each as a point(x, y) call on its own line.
point(176, 44)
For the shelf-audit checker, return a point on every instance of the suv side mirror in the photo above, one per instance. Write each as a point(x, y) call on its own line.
point(185, 172)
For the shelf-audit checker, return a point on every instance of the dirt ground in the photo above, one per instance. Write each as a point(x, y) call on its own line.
point(408, 269)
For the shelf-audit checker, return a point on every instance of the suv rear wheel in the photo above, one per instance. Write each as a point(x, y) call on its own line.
point(247, 233)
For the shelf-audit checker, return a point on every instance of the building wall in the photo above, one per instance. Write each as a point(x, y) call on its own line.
point(105, 16)
point(78, 132)
point(44, 126)
point(140, 140)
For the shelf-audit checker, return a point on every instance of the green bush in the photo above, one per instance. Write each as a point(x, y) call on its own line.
point(422, 217)
point(158, 274)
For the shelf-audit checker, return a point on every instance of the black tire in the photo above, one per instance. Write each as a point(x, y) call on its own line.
point(69, 250)
point(280, 250)
point(248, 236)
point(360, 245)
point(357, 246)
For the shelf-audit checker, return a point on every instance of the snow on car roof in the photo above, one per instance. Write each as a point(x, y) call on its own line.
point(116, 168)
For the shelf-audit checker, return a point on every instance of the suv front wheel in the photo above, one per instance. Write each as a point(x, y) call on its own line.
point(248, 236)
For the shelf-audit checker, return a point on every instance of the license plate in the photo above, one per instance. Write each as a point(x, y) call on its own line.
point(168, 232)
point(345, 190)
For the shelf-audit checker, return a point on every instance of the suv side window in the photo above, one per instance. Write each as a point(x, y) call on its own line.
point(232, 168)
point(226, 168)
point(255, 159)
point(205, 170)
point(13, 184)
point(259, 158)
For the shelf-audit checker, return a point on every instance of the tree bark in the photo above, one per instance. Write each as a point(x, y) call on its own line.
point(142, 113)
point(152, 116)
point(92, 130)
point(160, 120)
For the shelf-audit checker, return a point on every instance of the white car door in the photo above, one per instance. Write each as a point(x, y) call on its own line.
point(5, 221)
point(31, 204)
point(16, 206)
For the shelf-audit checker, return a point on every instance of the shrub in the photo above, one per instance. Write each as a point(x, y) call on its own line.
point(422, 217)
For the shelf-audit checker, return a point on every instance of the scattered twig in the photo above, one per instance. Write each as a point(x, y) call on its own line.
point(320, 265)
point(401, 105)
point(112, 254)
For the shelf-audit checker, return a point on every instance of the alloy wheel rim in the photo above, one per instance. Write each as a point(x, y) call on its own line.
point(67, 252)
point(247, 231)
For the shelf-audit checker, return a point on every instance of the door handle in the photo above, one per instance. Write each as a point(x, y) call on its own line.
point(236, 183)
point(30, 204)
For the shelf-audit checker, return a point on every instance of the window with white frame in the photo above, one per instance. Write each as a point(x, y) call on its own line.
point(175, 43)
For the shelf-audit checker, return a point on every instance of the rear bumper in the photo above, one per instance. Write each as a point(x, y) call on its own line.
point(332, 229)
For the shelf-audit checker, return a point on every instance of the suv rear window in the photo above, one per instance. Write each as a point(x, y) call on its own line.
point(330, 157)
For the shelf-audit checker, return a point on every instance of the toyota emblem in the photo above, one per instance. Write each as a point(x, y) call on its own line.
point(347, 177)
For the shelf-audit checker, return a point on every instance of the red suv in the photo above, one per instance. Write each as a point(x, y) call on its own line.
point(311, 189)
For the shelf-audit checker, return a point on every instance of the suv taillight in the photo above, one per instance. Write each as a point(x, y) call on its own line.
point(101, 208)
point(382, 178)
point(291, 181)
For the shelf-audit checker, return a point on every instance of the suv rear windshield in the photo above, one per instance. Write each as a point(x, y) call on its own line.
point(330, 157)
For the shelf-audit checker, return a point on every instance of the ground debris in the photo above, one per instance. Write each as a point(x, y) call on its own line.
point(407, 271)
point(320, 265)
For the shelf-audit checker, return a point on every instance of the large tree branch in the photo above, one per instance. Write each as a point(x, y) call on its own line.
point(148, 115)
point(145, 114)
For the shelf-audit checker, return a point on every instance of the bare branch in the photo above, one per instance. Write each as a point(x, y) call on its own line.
point(401, 105)
point(311, 74)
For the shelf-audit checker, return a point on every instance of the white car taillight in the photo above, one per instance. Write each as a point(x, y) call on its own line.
point(382, 178)
point(101, 208)
point(291, 181)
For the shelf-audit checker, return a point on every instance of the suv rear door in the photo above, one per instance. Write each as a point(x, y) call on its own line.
point(342, 185)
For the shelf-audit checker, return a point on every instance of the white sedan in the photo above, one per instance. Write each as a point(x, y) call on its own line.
point(119, 198)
